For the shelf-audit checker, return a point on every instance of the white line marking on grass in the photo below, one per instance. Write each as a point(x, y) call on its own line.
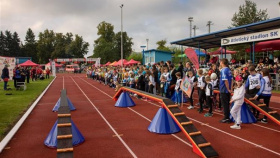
point(116, 133)
point(10, 135)
point(139, 114)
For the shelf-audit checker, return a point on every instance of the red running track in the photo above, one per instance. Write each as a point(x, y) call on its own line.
point(122, 132)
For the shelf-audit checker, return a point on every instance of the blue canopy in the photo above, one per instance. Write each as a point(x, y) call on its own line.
point(200, 53)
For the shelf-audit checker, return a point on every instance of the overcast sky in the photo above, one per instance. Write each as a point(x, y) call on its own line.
point(142, 19)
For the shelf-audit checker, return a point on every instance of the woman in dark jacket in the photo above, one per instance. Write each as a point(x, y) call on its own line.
point(5, 76)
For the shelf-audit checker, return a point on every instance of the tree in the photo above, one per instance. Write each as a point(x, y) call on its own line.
point(3, 50)
point(15, 45)
point(135, 56)
point(45, 45)
point(161, 45)
point(248, 13)
point(59, 46)
point(127, 45)
point(30, 47)
point(78, 48)
point(108, 45)
point(104, 45)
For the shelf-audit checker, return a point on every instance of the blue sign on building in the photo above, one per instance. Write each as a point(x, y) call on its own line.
point(153, 56)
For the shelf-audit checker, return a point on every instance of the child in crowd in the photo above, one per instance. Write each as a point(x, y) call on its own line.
point(151, 83)
point(165, 79)
point(178, 92)
point(194, 82)
point(215, 84)
point(201, 85)
point(131, 80)
point(238, 99)
point(209, 96)
point(253, 83)
point(265, 90)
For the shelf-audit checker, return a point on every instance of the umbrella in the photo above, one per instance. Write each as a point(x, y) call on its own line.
point(266, 46)
point(28, 63)
point(119, 63)
point(112, 63)
point(132, 62)
point(108, 63)
point(222, 51)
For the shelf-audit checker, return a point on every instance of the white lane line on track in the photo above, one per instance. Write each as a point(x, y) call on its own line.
point(116, 133)
point(138, 113)
point(151, 121)
point(255, 124)
point(247, 141)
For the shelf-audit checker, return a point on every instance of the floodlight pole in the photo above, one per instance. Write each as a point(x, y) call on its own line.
point(194, 29)
point(147, 43)
point(190, 19)
point(209, 23)
point(121, 36)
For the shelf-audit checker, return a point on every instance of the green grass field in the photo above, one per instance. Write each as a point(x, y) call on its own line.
point(12, 107)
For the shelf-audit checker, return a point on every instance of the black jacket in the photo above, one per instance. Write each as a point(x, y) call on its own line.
point(5, 73)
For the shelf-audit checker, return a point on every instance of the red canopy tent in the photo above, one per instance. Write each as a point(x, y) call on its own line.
point(119, 63)
point(220, 50)
point(28, 63)
point(108, 63)
point(131, 61)
point(56, 64)
point(266, 46)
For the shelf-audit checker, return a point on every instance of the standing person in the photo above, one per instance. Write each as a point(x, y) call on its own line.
point(188, 68)
point(178, 92)
point(194, 82)
point(5, 76)
point(151, 82)
point(48, 71)
point(201, 85)
point(17, 76)
point(265, 91)
point(238, 99)
point(180, 68)
point(33, 74)
point(173, 79)
point(225, 88)
point(27, 73)
point(209, 96)
point(254, 84)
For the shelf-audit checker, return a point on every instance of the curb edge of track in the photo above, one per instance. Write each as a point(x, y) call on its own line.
point(13, 131)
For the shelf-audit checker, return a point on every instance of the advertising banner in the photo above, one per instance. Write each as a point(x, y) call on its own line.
point(191, 54)
point(186, 86)
point(11, 62)
point(252, 37)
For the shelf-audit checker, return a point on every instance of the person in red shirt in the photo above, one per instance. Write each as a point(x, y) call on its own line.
point(48, 71)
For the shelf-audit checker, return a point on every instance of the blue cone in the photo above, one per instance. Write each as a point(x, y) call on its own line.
point(51, 140)
point(246, 115)
point(124, 101)
point(177, 97)
point(163, 123)
point(57, 105)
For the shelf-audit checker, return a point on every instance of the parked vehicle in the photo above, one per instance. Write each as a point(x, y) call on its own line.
point(72, 68)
